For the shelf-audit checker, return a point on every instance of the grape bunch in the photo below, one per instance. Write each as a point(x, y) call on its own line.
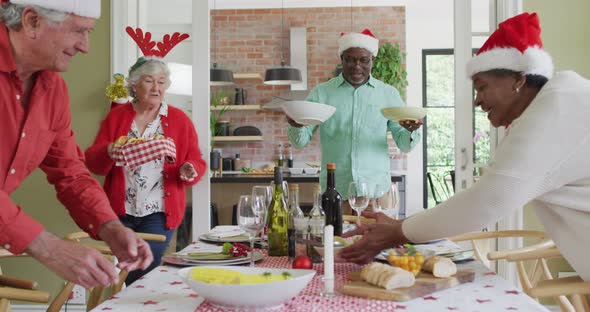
point(235, 249)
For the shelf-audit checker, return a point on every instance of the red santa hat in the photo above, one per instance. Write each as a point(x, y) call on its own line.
point(84, 8)
point(516, 45)
point(364, 39)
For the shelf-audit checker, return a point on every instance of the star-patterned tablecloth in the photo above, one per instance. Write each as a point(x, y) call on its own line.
point(163, 290)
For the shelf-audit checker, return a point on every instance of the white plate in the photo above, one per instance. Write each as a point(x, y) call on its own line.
point(308, 113)
point(251, 297)
point(229, 239)
point(171, 259)
point(403, 113)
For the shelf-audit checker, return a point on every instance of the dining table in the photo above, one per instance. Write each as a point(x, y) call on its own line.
point(162, 289)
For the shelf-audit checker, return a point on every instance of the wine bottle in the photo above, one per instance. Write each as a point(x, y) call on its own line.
point(332, 201)
point(277, 219)
point(295, 213)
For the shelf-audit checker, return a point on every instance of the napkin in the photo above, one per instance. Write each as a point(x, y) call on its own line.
point(440, 247)
point(221, 231)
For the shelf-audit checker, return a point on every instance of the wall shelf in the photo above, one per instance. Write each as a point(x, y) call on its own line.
point(236, 107)
point(247, 76)
point(249, 138)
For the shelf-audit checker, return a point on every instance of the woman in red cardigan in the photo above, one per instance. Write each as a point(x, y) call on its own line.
point(150, 197)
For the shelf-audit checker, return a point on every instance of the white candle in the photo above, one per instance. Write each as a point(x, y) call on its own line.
point(329, 258)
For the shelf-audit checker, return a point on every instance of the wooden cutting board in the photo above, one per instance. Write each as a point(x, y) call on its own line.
point(425, 284)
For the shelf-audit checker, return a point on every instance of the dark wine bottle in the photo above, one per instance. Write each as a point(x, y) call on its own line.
point(332, 201)
point(277, 219)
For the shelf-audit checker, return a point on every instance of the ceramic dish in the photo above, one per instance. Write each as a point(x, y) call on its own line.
point(179, 260)
point(229, 239)
point(403, 113)
point(251, 297)
point(308, 113)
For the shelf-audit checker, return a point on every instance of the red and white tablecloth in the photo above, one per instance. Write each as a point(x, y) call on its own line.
point(163, 290)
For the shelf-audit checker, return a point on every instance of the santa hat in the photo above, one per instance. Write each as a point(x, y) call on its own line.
point(365, 40)
point(84, 8)
point(516, 45)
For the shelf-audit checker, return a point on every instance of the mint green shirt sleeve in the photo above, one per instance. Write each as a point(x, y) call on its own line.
point(404, 139)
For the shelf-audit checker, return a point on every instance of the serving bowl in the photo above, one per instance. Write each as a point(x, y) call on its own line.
point(403, 113)
point(311, 170)
point(408, 259)
point(308, 113)
point(250, 296)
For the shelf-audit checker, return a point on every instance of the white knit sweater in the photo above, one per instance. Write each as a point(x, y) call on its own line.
point(544, 160)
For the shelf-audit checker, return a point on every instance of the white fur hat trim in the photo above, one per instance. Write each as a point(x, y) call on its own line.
point(84, 8)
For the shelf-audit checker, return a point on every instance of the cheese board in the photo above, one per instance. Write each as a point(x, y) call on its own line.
point(425, 284)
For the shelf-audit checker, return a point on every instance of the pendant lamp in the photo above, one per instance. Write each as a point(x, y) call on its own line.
point(283, 75)
point(218, 76)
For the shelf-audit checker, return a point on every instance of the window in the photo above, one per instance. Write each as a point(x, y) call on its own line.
point(439, 127)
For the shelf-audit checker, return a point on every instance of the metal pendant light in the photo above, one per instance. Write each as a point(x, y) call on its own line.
point(283, 75)
point(218, 76)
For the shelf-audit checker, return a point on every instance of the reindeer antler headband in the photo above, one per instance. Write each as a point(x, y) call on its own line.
point(146, 45)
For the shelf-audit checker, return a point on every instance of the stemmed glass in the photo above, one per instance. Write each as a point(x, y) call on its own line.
point(391, 201)
point(251, 218)
point(376, 195)
point(264, 191)
point(358, 197)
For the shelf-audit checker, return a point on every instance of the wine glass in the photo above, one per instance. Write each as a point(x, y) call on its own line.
point(390, 201)
point(377, 193)
point(264, 191)
point(358, 197)
point(251, 218)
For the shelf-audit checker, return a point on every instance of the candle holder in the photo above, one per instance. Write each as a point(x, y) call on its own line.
point(328, 287)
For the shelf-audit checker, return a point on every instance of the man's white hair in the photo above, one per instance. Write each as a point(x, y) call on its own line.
point(11, 15)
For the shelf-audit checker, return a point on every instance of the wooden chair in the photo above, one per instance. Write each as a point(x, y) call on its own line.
point(19, 289)
point(539, 270)
point(96, 293)
point(559, 288)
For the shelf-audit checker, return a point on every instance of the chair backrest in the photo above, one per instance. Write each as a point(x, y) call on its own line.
point(96, 293)
point(437, 189)
point(538, 271)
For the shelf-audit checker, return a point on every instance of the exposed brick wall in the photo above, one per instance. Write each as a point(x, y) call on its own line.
point(250, 41)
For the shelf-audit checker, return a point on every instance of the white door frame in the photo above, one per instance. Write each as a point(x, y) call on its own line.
point(463, 141)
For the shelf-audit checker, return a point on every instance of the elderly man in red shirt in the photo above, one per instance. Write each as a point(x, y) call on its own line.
point(38, 38)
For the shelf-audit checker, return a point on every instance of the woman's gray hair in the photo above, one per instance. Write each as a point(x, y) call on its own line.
point(11, 15)
point(151, 67)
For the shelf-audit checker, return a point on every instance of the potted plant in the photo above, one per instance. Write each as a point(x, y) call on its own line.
point(389, 67)
point(218, 99)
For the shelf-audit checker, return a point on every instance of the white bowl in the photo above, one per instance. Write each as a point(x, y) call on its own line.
point(296, 170)
point(311, 170)
point(403, 113)
point(250, 296)
point(308, 113)
point(337, 258)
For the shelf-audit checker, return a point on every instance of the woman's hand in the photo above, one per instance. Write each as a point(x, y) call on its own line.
point(411, 125)
point(187, 172)
point(376, 237)
point(379, 217)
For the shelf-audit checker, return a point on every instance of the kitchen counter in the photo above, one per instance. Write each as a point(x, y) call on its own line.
point(266, 178)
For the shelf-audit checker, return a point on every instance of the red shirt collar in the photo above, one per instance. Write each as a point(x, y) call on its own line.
point(7, 63)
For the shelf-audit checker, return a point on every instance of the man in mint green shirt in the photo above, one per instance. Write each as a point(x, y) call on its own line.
point(355, 137)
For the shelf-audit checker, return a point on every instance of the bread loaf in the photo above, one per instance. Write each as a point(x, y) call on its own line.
point(440, 266)
point(387, 276)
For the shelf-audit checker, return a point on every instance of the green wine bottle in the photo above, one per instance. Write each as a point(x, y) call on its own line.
point(277, 219)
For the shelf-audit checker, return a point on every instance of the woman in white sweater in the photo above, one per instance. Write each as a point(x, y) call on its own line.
point(544, 160)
